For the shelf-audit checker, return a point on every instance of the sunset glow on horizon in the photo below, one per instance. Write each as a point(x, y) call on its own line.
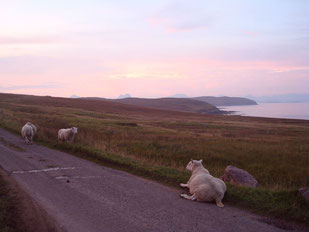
point(154, 48)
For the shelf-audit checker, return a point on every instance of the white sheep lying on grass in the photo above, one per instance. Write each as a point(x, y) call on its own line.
point(27, 132)
point(202, 185)
point(67, 135)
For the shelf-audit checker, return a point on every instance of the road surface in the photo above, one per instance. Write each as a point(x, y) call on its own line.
point(81, 196)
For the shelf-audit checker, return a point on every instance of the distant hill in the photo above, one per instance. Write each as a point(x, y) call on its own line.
point(98, 105)
point(174, 104)
point(75, 96)
point(121, 96)
point(179, 95)
point(226, 101)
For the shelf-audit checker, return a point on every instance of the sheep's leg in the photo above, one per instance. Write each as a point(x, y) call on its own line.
point(29, 140)
point(26, 140)
point(192, 198)
point(184, 185)
point(219, 203)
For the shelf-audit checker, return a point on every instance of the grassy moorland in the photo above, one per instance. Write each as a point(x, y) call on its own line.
point(177, 104)
point(158, 144)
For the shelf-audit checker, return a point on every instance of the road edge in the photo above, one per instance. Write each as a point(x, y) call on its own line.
point(33, 217)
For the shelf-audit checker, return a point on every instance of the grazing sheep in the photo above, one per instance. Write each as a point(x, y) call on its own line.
point(67, 135)
point(27, 132)
point(202, 185)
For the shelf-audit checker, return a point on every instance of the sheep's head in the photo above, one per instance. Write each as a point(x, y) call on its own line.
point(193, 164)
point(74, 129)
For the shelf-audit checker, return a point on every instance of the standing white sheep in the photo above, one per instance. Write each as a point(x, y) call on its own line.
point(202, 185)
point(27, 132)
point(67, 135)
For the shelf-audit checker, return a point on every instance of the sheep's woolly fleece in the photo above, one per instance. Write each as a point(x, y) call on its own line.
point(202, 185)
point(28, 131)
point(67, 135)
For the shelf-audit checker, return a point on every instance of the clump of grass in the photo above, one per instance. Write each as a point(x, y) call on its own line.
point(286, 204)
point(127, 124)
point(164, 174)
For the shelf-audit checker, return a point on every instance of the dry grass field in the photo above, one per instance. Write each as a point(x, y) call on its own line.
point(158, 144)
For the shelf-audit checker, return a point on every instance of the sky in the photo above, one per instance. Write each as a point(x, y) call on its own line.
point(154, 48)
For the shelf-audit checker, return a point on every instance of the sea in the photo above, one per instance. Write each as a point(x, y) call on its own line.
point(272, 110)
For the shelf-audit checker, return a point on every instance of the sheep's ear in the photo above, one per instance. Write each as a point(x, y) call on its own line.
point(201, 161)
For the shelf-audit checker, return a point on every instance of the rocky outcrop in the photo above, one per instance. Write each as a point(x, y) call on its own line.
point(238, 176)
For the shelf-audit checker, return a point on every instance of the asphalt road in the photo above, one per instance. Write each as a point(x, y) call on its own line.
point(81, 196)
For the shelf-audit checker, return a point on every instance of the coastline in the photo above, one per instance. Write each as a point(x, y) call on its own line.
point(297, 110)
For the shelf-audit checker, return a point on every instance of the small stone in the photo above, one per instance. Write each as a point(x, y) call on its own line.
point(304, 192)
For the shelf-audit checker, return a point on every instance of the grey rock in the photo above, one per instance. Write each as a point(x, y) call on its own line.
point(238, 176)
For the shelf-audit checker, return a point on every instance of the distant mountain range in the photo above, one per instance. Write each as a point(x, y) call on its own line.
point(283, 98)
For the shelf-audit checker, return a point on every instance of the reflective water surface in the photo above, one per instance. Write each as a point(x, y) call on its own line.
point(272, 110)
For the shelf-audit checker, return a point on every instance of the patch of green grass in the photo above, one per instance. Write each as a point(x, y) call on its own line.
point(286, 204)
point(127, 124)
point(160, 173)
